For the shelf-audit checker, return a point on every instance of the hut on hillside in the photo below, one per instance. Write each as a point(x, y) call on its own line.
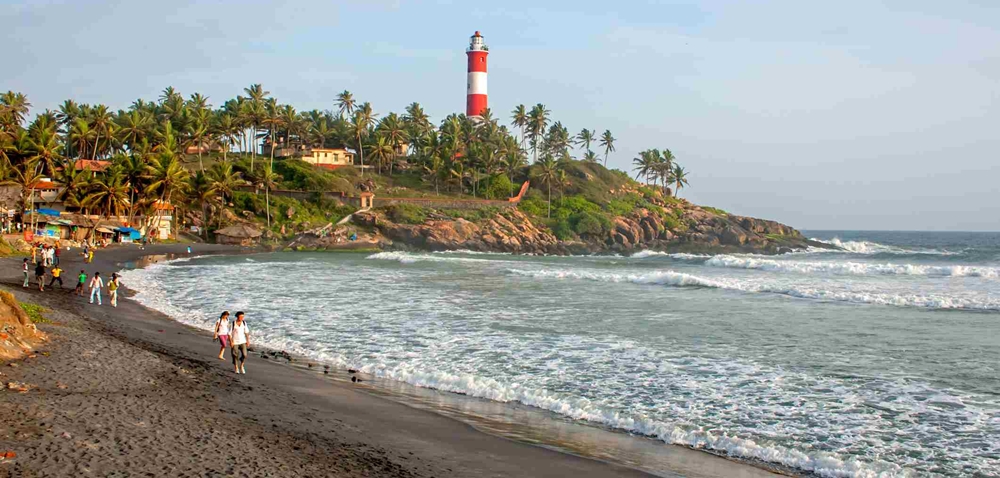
point(242, 234)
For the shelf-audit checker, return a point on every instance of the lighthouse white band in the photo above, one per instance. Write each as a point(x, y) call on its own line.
point(477, 83)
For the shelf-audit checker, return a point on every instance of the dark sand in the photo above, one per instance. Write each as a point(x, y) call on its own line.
point(130, 392)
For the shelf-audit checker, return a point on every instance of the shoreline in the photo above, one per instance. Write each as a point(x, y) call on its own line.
point(449, 441)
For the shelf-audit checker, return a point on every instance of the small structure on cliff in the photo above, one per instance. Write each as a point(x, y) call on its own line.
point(241, 234)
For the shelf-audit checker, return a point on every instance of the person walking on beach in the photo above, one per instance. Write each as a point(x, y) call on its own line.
point(95, 288)
point(81, 284)
point(40, 275)
point(240, 336)
point(24, 268)
point(56, 276)
point(222, 333)
point(113, 286)
point(55, 253)
point(90, 256)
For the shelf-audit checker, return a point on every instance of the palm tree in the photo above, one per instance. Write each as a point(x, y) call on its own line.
point(268, 180)
point(382, 151)
point(203, 191)
point(272, 120)
point(255, 113)
point(101, 122)
point(16, 105)
point(680, 178)
point(44, 144)
point(537, 121)
point(80, 135)
point(519, 118)
point(665, 168)
point(393, 130)
point(590, 157)
point(646, 164)
point(227, 130)
point(548, 172)
point(361, 122)
point(608, 142)
point(108, 194)
point(225, 180)
point(345, 103)
point(135, 168)
point(585, 137)
point(167, 180)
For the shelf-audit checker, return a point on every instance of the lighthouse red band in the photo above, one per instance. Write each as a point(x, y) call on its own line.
point(475, 101)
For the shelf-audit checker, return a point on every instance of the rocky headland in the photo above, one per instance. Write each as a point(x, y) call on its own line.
point(684, 229)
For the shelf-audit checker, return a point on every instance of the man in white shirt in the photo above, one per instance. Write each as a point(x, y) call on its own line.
point(95, 288)
point(240, 337)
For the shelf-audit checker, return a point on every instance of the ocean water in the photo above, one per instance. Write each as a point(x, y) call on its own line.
point(881, 360)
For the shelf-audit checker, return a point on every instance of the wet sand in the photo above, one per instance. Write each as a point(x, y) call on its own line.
point(128, 391)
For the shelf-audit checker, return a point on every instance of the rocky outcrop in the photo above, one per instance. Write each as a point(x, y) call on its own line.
point(17, 334)
point(689, 228)
point(508, 231)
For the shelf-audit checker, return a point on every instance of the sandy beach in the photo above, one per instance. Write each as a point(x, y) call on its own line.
point(127, 391)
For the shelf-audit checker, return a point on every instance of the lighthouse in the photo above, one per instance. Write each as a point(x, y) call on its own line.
point(475, 100)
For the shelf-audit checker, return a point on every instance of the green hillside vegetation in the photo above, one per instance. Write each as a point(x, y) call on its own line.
point(202, 159)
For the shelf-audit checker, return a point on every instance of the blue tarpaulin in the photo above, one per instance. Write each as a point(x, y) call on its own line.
point(47, 212)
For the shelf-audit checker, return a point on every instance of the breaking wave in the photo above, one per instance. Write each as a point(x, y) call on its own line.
point(867, 247)
point(680, 279)
point(677, 255)
point(851, 268)
point(412, 258)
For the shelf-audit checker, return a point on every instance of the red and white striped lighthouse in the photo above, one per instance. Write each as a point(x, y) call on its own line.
point(475, 101)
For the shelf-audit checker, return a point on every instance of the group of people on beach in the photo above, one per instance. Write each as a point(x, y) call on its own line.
point(234, 335)
point(95, 285)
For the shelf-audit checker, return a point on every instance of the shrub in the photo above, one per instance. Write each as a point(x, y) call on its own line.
point(499, 187)
point(407, 213)
point(715, 210)
point(563, 230)
point(35, 312)
point(590, 223)
point(533, 207)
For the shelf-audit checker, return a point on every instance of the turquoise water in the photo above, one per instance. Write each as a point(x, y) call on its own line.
point(878, 361)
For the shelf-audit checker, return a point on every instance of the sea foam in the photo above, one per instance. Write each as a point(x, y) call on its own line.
point(851, 268)
point(679, 279)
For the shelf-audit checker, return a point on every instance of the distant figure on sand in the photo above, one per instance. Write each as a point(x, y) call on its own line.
point(95, 288)
point(240, 335)
point(40, 275)
point(24, 268)
point(81, 284)
point(90, 256)
point(56, 276)
point(113, 286)
point(222, 333)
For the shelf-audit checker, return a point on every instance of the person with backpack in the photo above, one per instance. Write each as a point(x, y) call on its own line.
point(96, 284)
point(113, 285)
point(240, 336)
point(222, 333)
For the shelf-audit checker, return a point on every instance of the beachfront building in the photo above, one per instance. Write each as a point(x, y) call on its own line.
point(330, 158)
point(239, 234)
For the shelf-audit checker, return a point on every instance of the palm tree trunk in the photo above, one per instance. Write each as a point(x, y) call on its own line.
point(96, 141)
point(272, 149)
point(361, 151)
point(549, 214)
point(267, 203)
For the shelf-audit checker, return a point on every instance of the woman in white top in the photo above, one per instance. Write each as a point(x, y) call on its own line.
point(240, 337)
point(222, 333)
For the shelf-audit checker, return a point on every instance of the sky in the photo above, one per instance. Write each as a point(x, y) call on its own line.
point(822, 115)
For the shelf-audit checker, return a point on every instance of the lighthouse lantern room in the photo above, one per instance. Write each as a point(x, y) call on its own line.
point(475, 101)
